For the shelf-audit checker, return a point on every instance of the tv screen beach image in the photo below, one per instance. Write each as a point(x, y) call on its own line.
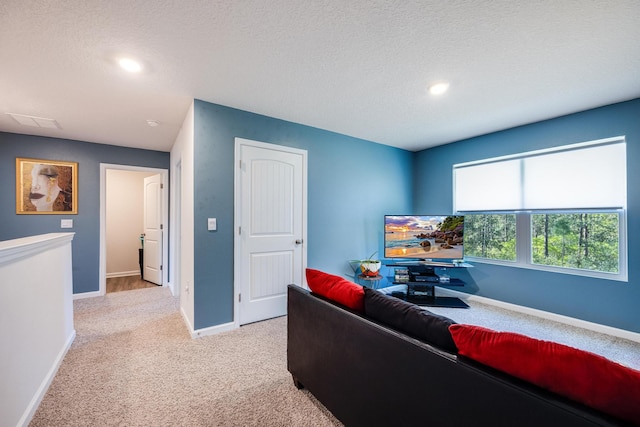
point(424, 237)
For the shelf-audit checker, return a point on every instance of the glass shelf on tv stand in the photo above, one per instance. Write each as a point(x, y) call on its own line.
point(426, 295)
point(422, 291)
point(437, 264)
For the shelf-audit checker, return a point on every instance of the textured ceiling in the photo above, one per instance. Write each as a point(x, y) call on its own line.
point(351, 66)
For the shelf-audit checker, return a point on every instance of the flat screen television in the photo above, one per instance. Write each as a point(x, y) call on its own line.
point(437, 238)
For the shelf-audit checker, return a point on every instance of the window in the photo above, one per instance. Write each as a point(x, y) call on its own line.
point(562, 209)
point(490, 236)
point(586, 241)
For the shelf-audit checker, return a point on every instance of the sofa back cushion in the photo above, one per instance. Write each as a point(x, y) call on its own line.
point(409, 319)
point(585, 377)
point(336, 289)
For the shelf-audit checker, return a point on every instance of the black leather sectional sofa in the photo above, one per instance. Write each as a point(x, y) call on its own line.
point(368, 374)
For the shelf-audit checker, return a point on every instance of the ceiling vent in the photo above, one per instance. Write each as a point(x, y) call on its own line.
point(38, 122)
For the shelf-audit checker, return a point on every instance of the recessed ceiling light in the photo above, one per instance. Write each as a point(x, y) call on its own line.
point(438, 88)
point(130, 65)
point(153, 123)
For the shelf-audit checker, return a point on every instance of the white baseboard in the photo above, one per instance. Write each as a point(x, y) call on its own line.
point(213, 330)
point(186, 320)
point(571, 321)
point(87, 295)
point(123, 274)
point(171, 288)
point(46, 382)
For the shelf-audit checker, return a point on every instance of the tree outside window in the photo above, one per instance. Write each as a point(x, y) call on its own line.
point(583, 241)
point(586, 241)
point(491, 236)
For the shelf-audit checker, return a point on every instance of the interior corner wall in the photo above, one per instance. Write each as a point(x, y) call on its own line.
point(182, 176)
point(86, 224)
point(606, 302)
point(352, 183)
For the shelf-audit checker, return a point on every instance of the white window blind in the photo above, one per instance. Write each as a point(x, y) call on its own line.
point(580, 176)
point(488, 187)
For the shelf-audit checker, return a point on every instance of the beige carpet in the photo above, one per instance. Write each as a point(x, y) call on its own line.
point(619, 350)
point(133, 363)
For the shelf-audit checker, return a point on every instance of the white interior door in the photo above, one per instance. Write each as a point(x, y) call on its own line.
point(152, 262)
point(272, 227)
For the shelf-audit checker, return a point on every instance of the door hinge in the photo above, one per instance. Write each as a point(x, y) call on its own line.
point(161, 186)
point(239, 297)
point(239, 230)
point(160, 268)
point(161, 226)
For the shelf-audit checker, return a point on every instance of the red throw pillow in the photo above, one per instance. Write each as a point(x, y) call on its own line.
point(579, 375)
point(336, 289)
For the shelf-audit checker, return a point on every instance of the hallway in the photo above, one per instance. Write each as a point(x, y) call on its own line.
point(127, 283)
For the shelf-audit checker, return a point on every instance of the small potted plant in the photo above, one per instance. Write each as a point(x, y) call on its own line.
point(369, 267)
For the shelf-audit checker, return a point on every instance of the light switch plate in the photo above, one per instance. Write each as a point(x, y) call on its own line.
point(66, 223)
point(212, 224)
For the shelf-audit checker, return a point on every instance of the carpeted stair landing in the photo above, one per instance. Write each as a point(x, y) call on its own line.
point(133, 363)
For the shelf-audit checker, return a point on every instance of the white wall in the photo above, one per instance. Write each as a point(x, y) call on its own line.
point(124, 220)
point(36, 320)
point(182, 234)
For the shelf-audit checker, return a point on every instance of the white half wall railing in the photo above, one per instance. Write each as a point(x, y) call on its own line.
point(36, 320)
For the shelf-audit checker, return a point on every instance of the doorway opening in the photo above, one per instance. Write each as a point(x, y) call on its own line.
point(122, 233)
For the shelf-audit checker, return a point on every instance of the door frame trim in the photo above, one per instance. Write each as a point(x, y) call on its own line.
point(237, 214)
point(102, 275)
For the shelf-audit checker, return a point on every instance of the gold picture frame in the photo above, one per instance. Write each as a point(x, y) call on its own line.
point(46, 187)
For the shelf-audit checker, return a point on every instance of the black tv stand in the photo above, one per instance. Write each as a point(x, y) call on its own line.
point(421, 283)
point(449, 302)
point(431, 263)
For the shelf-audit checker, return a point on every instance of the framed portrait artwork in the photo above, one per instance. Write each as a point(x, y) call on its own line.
point(46, 187)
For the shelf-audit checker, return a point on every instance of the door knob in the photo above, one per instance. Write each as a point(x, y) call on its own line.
point(298, 241)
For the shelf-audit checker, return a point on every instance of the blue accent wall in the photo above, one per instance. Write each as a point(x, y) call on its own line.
point(352, 183)
point(86, 224)
point(606, 302)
